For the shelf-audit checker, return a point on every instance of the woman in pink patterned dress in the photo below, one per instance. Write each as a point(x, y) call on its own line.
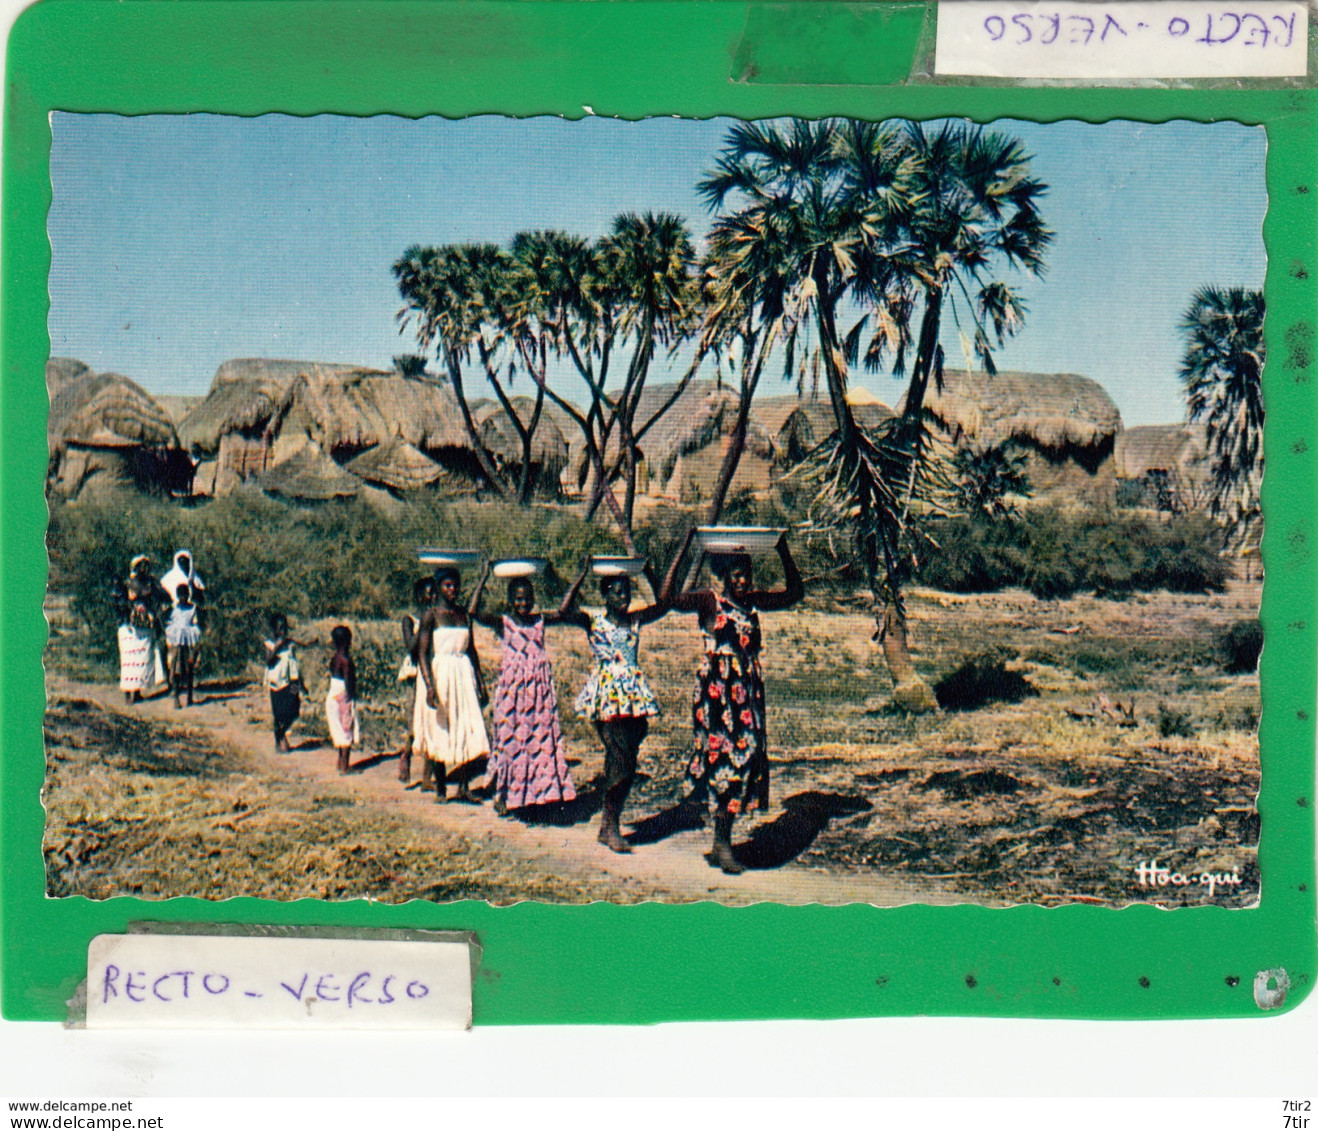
point(528, 765)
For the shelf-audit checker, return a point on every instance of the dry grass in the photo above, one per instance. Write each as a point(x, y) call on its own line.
point(137, 809)
point(1023, 801)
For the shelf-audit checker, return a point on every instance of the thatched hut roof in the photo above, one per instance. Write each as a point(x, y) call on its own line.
point(334, 405)
point(703, 413)
point(263, 369)
point(178, 406)
point(800, 424)
point(549, 447)
point(107, 410)
point(1054, 412)
point(231, 406)
point(309, 475)
point(397, 465)
point(1160, 447)
point(61, 370)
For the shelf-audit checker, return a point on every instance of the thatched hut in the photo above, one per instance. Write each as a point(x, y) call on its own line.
point(798, 425)
point(396, 466)
point(106, 434)
point(1163, 466)
point(260, 413)
point(309, 476)
point(683, 452)
point(549, 447)
point(1066, 424)
point(61, 370)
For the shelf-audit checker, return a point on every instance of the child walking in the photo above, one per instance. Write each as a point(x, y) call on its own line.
point(182, 634)
point(283, 678)
point(341, 699)
point(528, 765)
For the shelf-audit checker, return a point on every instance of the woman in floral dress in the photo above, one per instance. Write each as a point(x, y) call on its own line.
point(617, 696)
point(729, 765)
point(528, 765)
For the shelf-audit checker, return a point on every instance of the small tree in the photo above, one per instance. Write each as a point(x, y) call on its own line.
point(986, 478)
point(1222, 372)
point(464, 299)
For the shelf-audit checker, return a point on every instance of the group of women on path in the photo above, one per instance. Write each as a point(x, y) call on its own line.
point(728, 769)
point(160, 624)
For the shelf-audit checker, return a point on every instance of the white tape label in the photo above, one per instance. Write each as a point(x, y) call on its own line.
point(1158, 39)
point(228, 982)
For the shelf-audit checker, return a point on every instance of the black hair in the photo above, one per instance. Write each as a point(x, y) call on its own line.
point(419, 588)
point(445, 572)
point(341, 635)
point(278, 623)
point(611, 579)
point(516, 583)
point(723, 564)
point(183, 588)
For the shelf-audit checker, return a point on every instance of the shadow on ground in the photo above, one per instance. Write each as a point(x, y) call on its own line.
point(805, 816)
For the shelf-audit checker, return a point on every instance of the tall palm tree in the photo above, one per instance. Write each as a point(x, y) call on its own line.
point(442, 300)
point(647, 273)
point(874, 221)
point(748, 307)
point(1222, 372)
point(974, 209)
point(464, 299)
point(824, 201)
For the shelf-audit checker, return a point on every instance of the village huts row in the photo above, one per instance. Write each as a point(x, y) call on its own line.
point(312, 431)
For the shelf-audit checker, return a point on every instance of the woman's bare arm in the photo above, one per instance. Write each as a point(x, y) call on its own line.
point(492, 621)
point(424, 644)
point(772, 600)
point(652, 613)
point(568, 613)
point(685, 600)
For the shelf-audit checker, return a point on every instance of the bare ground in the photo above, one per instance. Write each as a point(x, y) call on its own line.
point(1042, 800)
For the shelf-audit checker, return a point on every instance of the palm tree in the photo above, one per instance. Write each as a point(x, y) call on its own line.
point(870, 220)
point(974, 208)
point(465, 299)
point(1222, 372)
point(440, 290)
point(647, 279)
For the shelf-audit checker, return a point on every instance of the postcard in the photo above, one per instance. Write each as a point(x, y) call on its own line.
point(793, 511)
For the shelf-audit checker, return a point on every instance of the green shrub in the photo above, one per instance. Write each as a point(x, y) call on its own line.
point(1056, 554)
point(1173, 722)
point(344, 561)
point(1241, 645)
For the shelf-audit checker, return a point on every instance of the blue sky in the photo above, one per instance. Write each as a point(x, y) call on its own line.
point(181, 241)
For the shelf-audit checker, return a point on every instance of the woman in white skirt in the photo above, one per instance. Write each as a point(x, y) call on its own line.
point(452, 733)
point(141, 667)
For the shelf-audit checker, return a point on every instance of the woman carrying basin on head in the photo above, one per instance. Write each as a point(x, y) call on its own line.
point(729, 767)
point(452, 733)
point(617, 697)
point(529, 763)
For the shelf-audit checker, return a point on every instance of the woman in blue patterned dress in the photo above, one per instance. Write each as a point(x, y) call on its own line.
point(729, 765)
point(617, 697)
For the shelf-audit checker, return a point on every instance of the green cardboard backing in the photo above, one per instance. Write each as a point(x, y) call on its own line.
point(632, 58)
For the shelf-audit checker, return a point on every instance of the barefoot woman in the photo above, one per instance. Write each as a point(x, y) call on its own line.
point(617, 697)
point(453, 734)
point(730, 763)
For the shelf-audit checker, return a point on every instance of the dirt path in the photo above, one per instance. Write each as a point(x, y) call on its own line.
point(670, 870)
